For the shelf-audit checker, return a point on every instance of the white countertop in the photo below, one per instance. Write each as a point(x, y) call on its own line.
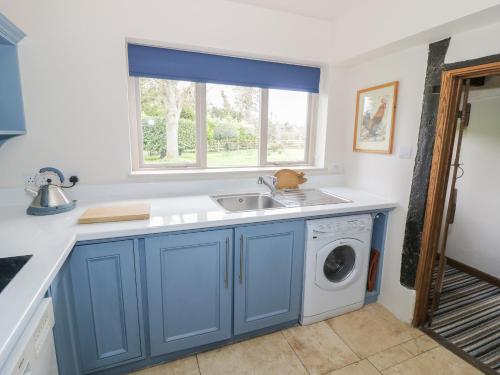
point(51, 238)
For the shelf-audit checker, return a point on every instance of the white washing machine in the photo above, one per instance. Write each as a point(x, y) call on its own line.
point(336, 266)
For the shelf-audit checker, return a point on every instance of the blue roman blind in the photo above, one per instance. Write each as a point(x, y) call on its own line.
point(155, 62)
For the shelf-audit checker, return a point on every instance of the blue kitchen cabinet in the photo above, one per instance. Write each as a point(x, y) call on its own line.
point(189, 289)
point(123, 304)
point(11, 101)
point(379, 230)
point(107, 306)
point(65, 336)
point(268, 275)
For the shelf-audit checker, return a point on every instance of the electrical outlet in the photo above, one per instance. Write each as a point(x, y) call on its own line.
point(30, 182)
point(69, 175)
point(44, 177)
point(405, 152)
point(41, 179)
point(337, 168)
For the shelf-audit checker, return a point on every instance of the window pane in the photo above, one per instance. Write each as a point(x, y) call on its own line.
point(233, 123)
point(287, 129)
point(168, 120)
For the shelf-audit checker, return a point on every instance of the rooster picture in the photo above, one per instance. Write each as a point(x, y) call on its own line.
point(373, 126)
point(375, 117)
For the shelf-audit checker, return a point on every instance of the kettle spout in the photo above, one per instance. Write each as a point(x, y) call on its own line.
point(32, 192)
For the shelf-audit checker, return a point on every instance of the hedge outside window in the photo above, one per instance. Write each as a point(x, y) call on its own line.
point(169, 125)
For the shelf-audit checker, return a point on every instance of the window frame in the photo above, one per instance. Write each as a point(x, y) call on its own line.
point(310, 134)
point(136, 134)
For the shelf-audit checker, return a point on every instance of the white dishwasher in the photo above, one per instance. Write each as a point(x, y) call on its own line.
point(34, 353)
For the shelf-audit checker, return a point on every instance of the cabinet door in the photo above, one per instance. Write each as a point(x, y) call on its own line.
point(189, 289)
point(65, 336)
point(268, 275)
point(11, 99)
point(105, 290)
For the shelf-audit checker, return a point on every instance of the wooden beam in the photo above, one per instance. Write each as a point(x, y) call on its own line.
point(421, 171)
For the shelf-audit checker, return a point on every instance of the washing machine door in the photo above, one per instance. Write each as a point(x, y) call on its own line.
point(339, 264)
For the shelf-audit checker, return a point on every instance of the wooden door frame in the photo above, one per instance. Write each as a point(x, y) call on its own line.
point(438, 181)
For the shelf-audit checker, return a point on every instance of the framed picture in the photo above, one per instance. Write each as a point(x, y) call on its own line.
point(375, 114)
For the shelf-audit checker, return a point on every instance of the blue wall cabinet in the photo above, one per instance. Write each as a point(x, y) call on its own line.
point(189, 289)
point(268, 275)
point(11, 102)
point(106, 299)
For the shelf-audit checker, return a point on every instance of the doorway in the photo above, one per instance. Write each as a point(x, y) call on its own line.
point(434, 270)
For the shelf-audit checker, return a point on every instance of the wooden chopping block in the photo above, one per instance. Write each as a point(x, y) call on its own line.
point(124, 212)
point(289, 179)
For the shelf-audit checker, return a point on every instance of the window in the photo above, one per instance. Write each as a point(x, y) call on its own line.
point(181, 123)
point(233, 126)
point(167, 122)
point(288, 126)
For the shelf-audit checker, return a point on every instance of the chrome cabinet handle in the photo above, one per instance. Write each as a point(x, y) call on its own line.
point(226, 280)
point(241, 260)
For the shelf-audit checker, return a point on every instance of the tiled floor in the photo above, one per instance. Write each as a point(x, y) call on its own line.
point(370, 341)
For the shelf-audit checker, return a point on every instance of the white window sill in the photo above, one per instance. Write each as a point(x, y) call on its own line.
point(212, 172)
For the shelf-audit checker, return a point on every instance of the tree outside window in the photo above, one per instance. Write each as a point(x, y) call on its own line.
point(232, 119)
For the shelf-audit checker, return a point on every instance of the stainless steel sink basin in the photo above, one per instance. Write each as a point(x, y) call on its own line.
point(281, 199)
point(307, 197)
point(247, 202)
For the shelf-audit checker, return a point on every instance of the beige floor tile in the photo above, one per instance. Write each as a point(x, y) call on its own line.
point(269, 354)
point(319, 348)
point(403, 352)
point(437, 361)
point(419, 345)
point(185, 366)
point(360, 368)
point(371, 330)
point(390, 357)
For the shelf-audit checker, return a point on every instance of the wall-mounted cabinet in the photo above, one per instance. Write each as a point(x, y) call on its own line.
point(12, 121)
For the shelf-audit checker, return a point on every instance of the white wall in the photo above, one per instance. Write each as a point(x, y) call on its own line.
point(74, 71)
point(386, 175)
point(74, 74)
point(389, 175)
point(474, 238)
point(474, 44)
point(387, 25)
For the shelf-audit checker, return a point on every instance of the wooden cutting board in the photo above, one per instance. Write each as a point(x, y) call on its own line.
point(125, 212)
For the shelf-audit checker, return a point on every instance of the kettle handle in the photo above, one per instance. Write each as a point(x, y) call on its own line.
point(54, 170)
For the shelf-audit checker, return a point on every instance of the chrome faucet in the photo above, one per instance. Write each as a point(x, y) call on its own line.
point(269, 181)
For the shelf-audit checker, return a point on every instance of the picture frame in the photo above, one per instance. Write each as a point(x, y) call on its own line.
point(375, 118)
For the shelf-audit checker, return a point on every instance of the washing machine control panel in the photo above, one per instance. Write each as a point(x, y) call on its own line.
point(343, 227)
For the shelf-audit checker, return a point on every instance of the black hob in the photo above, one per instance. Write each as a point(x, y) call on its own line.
point(9, 267)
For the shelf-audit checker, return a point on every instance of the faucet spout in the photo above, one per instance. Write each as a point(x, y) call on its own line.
point(270, 182)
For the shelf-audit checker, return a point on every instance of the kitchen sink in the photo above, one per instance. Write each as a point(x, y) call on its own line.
point(307, 197)
point(281, 199)
point(247, 202)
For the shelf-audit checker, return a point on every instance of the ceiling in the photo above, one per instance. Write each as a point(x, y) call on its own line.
point(322, 9)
